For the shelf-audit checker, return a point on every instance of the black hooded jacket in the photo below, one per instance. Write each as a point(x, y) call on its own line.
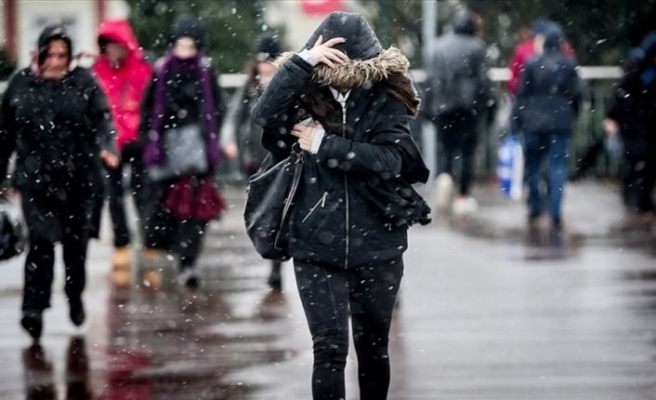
point(57, 129)
point(355, 201)
point(549, 89)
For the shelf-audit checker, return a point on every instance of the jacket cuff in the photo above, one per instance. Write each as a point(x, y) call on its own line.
point(300, 62)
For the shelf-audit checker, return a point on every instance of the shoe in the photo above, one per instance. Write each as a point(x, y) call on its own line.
point(121, 267)
point(152, 276)
point(189, 277)
point(443, 191)
point(32, 322)
point(275, 276)
point(464, 205)
point(76, 311)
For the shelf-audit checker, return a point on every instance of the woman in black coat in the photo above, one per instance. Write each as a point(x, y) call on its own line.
point(348, 224)
point(56, 118)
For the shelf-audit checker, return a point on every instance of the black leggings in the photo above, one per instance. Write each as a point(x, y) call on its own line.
point(328, 295)
point(139, 190)
point(166, 232)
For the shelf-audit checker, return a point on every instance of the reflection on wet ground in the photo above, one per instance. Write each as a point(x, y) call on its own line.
point(39, 375)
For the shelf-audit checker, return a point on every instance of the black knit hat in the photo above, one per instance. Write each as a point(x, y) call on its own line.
point(188, 26)
point(50, 33)
point(267, 47)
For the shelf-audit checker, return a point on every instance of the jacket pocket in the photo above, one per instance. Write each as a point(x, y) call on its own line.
point(320, 203)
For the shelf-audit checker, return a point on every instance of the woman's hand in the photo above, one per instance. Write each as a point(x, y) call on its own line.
point(110, 160)
point(306, 134)
point(230, 150)
point(324, 52)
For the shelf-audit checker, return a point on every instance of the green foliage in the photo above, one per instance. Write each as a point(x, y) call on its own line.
point(232, 27)
point(7, 66)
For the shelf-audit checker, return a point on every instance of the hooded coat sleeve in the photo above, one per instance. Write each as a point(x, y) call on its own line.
point(388, 153)
point(7, 133)
point(273, 109)
point(101, 119)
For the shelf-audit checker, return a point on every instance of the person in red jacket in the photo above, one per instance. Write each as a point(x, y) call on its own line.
point(123, 75)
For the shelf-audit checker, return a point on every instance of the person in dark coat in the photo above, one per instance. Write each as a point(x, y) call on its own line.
point(55, 116)
point(627, 116)
point(348, 223)
point(547, 103)
point(184, 93)
point(248, 134)
point(123, 74)
point(460, 94)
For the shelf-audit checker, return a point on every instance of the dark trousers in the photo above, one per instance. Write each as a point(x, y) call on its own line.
point(639, 176)
point(328, 295)
point(132, 155)
point(166, 232)
point(457, 135)
point(40, 260)
point(552, 146)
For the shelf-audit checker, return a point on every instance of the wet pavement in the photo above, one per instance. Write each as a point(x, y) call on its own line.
point(489, 310)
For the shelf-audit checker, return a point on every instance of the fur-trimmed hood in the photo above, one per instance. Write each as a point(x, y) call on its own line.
point(358, 72)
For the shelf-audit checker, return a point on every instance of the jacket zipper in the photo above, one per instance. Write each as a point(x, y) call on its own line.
point(321, 202)
point(346, 191)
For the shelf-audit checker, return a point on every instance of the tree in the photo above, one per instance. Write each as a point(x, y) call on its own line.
point(232, 27)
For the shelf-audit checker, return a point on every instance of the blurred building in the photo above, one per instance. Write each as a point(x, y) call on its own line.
point(23, 20)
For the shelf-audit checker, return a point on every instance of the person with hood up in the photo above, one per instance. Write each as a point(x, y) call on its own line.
point(349, 219)
point(547, 103)
point(184, 96)
point(55, 116)
point(124, 75)
point(239, 124)
point(460, 94)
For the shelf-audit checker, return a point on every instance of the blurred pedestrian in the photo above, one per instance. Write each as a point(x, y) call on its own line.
point(460, 94)
point(631, 116)
point(348, 223)
point(547, 103)
point(55, 116)
point(123, 74)
point(260, 70)
point(530, 45)
point(183, 104)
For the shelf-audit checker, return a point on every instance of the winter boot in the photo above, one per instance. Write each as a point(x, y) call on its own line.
point(32, 322)
point(121, 267)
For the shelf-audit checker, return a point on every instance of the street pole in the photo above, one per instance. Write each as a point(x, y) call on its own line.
point(429, 29)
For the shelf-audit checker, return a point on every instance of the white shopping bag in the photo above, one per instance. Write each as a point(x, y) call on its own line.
point(510, 167)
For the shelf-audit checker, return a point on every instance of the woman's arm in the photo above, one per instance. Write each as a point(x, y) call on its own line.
point(102, 125)
point(383, 155)
point(7, 132)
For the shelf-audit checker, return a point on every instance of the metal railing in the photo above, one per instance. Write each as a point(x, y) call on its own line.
point(598, 81)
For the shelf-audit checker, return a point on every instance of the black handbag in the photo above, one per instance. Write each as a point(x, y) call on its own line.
point(270, 193)
point(12, 238)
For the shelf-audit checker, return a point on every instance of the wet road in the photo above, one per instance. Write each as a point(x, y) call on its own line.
point(488, 311)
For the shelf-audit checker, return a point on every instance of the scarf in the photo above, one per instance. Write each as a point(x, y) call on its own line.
point(153, 152)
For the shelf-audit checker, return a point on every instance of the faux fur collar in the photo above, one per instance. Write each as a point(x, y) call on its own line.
point(357, 72)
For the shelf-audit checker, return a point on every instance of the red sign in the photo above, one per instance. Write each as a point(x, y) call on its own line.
point(321, 7)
